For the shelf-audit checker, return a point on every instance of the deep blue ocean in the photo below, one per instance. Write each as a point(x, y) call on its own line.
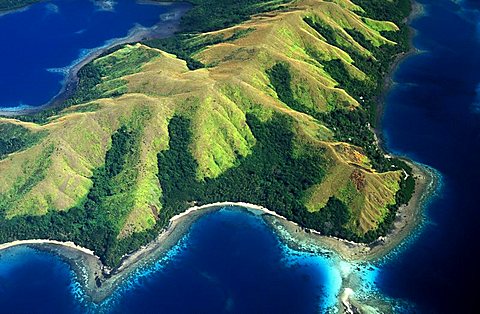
point(230, 262)
point(41, 42)
point(433, 116)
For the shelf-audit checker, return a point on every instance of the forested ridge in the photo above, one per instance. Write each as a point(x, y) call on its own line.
point(207, 16)
point(275, 172)
point(273, 176)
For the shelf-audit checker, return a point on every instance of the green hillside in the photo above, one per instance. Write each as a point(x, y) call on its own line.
point(266, 102)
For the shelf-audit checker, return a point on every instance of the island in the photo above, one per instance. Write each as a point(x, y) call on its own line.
point(270, 105)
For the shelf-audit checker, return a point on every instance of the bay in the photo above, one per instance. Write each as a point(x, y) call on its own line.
point(42, 42)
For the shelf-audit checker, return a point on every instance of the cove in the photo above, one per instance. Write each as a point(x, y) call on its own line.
point(42, 43)
point(229, 262)
point(432, 116)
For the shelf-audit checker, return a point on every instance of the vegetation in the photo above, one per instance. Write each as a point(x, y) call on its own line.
point(16, 138)
point(281, 80)
point(207, 16)
point(274, 176)
point(407, 186)
point(395, 11)
point(185, 45)
point(109, 182)
point(211, 15)
point(101, 78)
point(353, 126)
point(270, 176)
point(375, 68)
point(95, 222)
point(33, 174)
point(177, 169)
point(230, 138)
point(349, 126)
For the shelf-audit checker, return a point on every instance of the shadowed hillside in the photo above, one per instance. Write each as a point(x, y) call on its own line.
point(275, 110)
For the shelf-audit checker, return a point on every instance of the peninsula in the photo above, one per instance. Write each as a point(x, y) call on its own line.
point(271, 103)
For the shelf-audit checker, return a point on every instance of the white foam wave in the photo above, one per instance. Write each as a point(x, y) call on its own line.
point(62, 70)
point(105, 5)
point(476, 102)
point(52, 8)
point(81, 31)
point(21, 106)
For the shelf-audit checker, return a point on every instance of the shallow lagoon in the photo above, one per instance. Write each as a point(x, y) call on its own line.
point(40, 43)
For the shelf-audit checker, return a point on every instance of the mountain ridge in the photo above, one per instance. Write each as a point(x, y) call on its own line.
point(98, 170)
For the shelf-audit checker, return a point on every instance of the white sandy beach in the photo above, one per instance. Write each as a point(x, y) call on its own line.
point(99, 281)
point(68, 244)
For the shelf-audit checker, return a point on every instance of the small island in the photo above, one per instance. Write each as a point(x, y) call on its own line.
point(270, 106)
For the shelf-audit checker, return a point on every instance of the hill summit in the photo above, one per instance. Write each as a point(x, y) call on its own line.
point(276, 108)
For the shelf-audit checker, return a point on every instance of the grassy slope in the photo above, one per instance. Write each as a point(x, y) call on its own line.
point(142, 88)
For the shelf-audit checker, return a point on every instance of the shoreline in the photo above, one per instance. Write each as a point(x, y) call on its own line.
point(408, 217)
point(427, 182)
point(167, 25)
point(68, 244)
point(418, 10)
point(100, 282)
point(18, 9)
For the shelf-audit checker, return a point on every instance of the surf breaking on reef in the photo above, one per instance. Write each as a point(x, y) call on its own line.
point(99, 284)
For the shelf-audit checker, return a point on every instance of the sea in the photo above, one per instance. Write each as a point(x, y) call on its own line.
point(433, 116)
point(41, 43)
point(229, 262)
point(232, 262)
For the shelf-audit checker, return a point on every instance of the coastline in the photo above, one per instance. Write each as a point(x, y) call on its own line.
point(18, 8)
point(99, 282)
point(418, 11)
point(167, 25)
point(68, 244)
point(408, 218)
